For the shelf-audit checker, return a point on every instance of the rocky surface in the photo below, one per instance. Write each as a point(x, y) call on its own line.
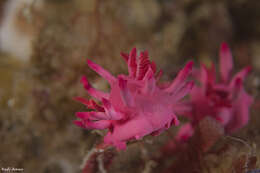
point(36, 105)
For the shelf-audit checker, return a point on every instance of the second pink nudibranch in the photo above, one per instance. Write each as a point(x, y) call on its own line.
point(135, 106)
point(225, 99)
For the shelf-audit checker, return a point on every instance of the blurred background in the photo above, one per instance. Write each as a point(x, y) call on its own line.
point(44, 45)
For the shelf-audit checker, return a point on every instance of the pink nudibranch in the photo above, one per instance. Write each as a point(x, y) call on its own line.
point(136, 106)
point(225, 100)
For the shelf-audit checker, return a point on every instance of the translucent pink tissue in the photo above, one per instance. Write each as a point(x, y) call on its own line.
point(136, 106)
